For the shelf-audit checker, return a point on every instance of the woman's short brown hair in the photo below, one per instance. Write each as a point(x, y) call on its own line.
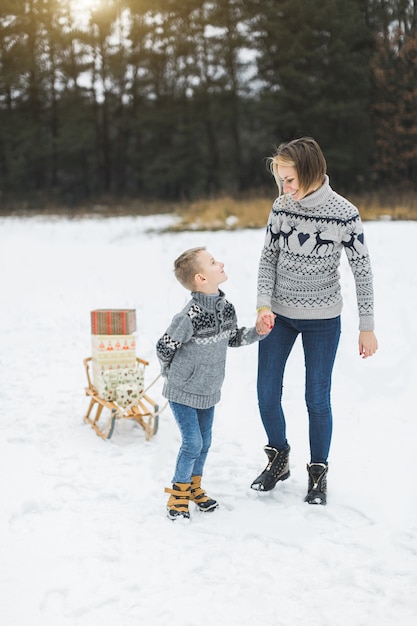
point(306, 156)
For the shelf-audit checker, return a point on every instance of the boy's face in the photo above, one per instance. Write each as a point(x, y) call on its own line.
point(211, 273)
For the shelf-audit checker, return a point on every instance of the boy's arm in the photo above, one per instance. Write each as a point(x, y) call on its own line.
point(244, 336)
point(179, 331)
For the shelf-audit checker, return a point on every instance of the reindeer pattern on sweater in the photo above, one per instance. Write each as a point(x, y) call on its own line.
point(298, 273)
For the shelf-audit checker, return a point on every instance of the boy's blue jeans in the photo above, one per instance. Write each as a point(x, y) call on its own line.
point(320, 340)
point(196, 427)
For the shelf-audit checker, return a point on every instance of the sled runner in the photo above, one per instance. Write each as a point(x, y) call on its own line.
point(116, 400)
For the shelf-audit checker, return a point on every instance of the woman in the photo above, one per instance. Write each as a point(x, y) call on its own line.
point(299, 293)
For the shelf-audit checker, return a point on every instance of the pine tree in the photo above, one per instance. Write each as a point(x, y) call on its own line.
point(395, 93)
point(314, 64)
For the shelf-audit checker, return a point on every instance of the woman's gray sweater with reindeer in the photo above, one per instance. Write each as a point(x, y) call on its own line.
point(299, 267)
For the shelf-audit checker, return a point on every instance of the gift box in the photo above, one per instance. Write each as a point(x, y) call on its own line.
point(113, 321)
point(135, 375)
point(115, 359)
point(113, 348)
point(127, 395)
point(123, 384)
point(100, 366)
point(102, 370)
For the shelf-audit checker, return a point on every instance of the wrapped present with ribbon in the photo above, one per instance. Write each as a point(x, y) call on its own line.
point(127, 394)
point(129, 380)
point(106, 389)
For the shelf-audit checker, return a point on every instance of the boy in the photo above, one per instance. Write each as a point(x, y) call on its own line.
point(192, 353)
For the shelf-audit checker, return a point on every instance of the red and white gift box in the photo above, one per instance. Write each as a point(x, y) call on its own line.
point(111, 353)
point(113, 347)
point(113, 321)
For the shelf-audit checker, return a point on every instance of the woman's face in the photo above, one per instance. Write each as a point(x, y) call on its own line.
point(290, 183)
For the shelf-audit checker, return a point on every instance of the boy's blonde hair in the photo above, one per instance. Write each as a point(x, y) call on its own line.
point(306, 156)
point(187, 266)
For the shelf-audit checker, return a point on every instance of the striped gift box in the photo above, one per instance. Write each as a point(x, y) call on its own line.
point(113, 321)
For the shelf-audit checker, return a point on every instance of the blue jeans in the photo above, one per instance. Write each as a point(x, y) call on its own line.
point(320, 341)
point(196, 427)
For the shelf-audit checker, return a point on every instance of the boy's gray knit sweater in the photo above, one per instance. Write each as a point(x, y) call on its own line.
point(192, 352)
point(298, 270)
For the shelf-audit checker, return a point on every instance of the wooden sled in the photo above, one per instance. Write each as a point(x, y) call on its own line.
point(145, 413)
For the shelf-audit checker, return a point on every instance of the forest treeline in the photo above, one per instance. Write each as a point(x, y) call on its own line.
point(180, 99)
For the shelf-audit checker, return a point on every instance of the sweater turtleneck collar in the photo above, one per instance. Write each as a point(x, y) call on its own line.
point(207, 301)
point(318, 197)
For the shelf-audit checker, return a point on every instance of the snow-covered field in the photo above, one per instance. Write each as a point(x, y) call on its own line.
point(84, 536)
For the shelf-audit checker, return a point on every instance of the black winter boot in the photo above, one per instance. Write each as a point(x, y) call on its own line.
point(317, 483)
point(278, 468)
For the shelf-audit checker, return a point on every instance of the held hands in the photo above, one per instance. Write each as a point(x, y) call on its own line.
point(265, 322)
point(368, 343)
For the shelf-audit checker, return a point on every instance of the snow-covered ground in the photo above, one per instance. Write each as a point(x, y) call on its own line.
point(85, 540)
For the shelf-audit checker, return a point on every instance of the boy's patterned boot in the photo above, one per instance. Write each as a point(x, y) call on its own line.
point(199, 496)
point(317, 483)
point(177, 505)
point(278, 468)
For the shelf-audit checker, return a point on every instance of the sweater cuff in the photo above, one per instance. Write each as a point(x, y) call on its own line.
point(366, 323)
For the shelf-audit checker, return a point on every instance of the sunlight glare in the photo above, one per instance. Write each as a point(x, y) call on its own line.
point(84, 5)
